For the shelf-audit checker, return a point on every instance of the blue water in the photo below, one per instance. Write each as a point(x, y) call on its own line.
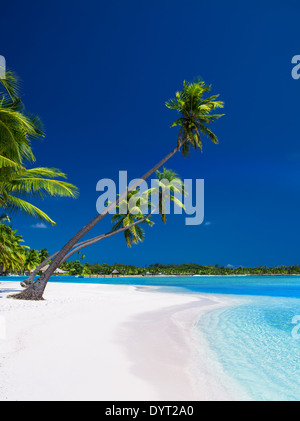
point(275, 286)
point(254, 345)
point(251, 344)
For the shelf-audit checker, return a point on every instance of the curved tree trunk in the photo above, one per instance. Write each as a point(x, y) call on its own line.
point(79, 246)
point(104, 236)
point(36, 290)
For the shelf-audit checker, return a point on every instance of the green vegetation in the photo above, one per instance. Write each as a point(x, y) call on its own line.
point(78, 268)
point(17, 132)
point(18, 184)
point(15, 257)
point(128, 213)
point(12, 252)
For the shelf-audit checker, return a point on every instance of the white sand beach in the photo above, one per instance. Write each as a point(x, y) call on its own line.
point(103, 342)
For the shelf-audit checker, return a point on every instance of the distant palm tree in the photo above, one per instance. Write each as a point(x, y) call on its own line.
point(195, 113)
point(44, 254)
point(12, 253)
point(32, 260)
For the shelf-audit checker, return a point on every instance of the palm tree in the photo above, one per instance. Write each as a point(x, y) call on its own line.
point(126, 216)
point(12, 253)
point(129, 222)
point(43, 255)
point(17, 131)
point(195, 113)
point(168, 183)
point(17, 184)
point(32, 260)
point(121, 225)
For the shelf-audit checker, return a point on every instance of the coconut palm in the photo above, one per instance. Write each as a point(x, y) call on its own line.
point(32, 260)
point(12, 253)
point(43, 255)
point(17, 131)
point(195, 112)
point(84, 244)
point(127, 214)
point(168, 181)
point(168, 184)
point(15, 185)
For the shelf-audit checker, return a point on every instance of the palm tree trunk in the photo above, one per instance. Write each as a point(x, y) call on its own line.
point(34, 273)
point(79, 246)
point(104, 236)
point(36, 291)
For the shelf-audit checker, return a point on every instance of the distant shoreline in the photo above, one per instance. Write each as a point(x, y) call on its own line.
point(185, 275)
point(157, 276)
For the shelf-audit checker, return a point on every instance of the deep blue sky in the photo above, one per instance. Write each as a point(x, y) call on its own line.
point(98, 74)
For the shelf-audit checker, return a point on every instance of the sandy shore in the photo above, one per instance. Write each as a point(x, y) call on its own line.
point(103, 342)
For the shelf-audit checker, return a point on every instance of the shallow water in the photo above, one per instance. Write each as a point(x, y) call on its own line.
point(276, 286)
point(257, 348)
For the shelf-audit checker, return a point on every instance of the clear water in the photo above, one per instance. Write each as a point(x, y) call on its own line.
point(251, 346)
point(276, 286)
point(254, 345)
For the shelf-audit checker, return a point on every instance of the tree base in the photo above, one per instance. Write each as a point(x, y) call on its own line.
point(29, 294)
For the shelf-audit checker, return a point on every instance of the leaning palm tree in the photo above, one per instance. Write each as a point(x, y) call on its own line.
point(195, 112)
point(168, 183)
point(87, 243)
point(126, 216)
point(126, 220)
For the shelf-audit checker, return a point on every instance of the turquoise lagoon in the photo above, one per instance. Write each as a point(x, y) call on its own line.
point(253, 346)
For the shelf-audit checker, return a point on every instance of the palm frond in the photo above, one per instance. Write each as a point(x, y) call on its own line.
point(13, 204)
point(195, 112)
point(11, 84)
